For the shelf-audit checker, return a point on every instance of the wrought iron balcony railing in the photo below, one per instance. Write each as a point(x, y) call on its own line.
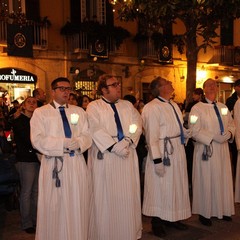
point(79, 42)
point(222, 55)
point(225, 55)
point(147, 50)
point(40, 34)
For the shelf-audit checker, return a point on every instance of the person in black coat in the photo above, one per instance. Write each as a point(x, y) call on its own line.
point(197, 96)
point(40, 95)
point(230, 102)
point(28, 166)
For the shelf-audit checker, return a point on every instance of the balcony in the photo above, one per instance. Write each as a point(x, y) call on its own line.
point(146, 49)
point(222, 55)
point(79, 43)
point(40, 34)
point(87, 35)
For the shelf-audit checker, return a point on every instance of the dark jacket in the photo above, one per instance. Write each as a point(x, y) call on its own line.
point(190, 105)
point(21, 130)
point(231, 101)
point(39, 104)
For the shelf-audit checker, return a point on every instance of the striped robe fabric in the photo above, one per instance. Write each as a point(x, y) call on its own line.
point(115, 203)
point(165, 197)
point(236, 113)
point(63, 212)
point(212, 179)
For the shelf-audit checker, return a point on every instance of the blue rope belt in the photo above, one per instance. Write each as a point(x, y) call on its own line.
point(57, 170)
point(168, 151)
point(207, 152)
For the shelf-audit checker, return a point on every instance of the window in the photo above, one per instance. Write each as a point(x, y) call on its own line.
point(29, 7)
point(12, 6)
point(93, 10)
point(226, 36)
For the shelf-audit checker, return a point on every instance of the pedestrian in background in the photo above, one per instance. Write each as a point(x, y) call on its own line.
point(28, 165)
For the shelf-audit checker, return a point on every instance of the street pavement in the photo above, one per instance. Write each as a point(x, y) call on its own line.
point(220, 230)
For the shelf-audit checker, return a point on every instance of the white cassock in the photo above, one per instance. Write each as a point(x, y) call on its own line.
point(236, 113)
point(212, 178)
point(115, 203)
point(165, 197)
point(63, 212)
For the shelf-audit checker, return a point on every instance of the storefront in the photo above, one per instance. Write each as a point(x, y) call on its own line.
point(16, 84)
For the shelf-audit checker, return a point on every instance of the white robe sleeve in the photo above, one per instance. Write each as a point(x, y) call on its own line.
point(137, 120)
point(237, 123)
point(41, 139)
point(83, 135)
point(47, 134)
point(103, 126)
point(152, 129)
point(101, 137)
point(199, 134)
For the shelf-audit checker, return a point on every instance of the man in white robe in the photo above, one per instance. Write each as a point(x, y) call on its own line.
point(166, 196)
point(63, 200)
point(212, 174)
point(115, 204)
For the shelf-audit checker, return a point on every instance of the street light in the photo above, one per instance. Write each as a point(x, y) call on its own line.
point(113, 2)
point(201, 75)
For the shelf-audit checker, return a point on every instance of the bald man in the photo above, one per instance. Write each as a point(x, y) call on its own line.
point(212, 129)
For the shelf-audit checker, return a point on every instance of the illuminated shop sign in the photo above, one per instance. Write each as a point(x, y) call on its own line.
point(14, 75)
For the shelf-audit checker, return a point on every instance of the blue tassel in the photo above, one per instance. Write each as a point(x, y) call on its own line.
point(166, 161)
point(58, 182)
point(204, 157)
point(54, 173)
point(72, 153)
point(99, 155)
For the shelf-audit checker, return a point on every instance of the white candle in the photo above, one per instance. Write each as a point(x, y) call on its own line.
point(74, 118)
point(132, 128)
point(193, 119)
point(224, 111)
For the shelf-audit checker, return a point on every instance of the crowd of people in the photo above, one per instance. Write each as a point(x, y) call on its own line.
point(81, 161)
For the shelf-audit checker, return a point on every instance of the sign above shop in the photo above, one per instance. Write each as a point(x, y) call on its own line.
point(13, 75)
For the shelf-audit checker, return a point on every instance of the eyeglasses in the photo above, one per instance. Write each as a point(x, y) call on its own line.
point(115, 84)
point(63, 89)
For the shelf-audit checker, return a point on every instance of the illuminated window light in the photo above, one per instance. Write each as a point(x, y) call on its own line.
point(227, 79)
point(201, 74)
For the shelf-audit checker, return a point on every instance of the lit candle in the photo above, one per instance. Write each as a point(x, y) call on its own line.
point(193, 119)
point(74, 118)
point(132, 128)
point(224, 111)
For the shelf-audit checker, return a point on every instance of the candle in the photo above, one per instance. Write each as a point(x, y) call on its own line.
point(193, 119)
point(132, 128)
point(224, 111)
point(74, 118)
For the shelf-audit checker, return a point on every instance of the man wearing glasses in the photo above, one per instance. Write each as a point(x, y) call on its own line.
point(60, 132)
point(115, 126)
